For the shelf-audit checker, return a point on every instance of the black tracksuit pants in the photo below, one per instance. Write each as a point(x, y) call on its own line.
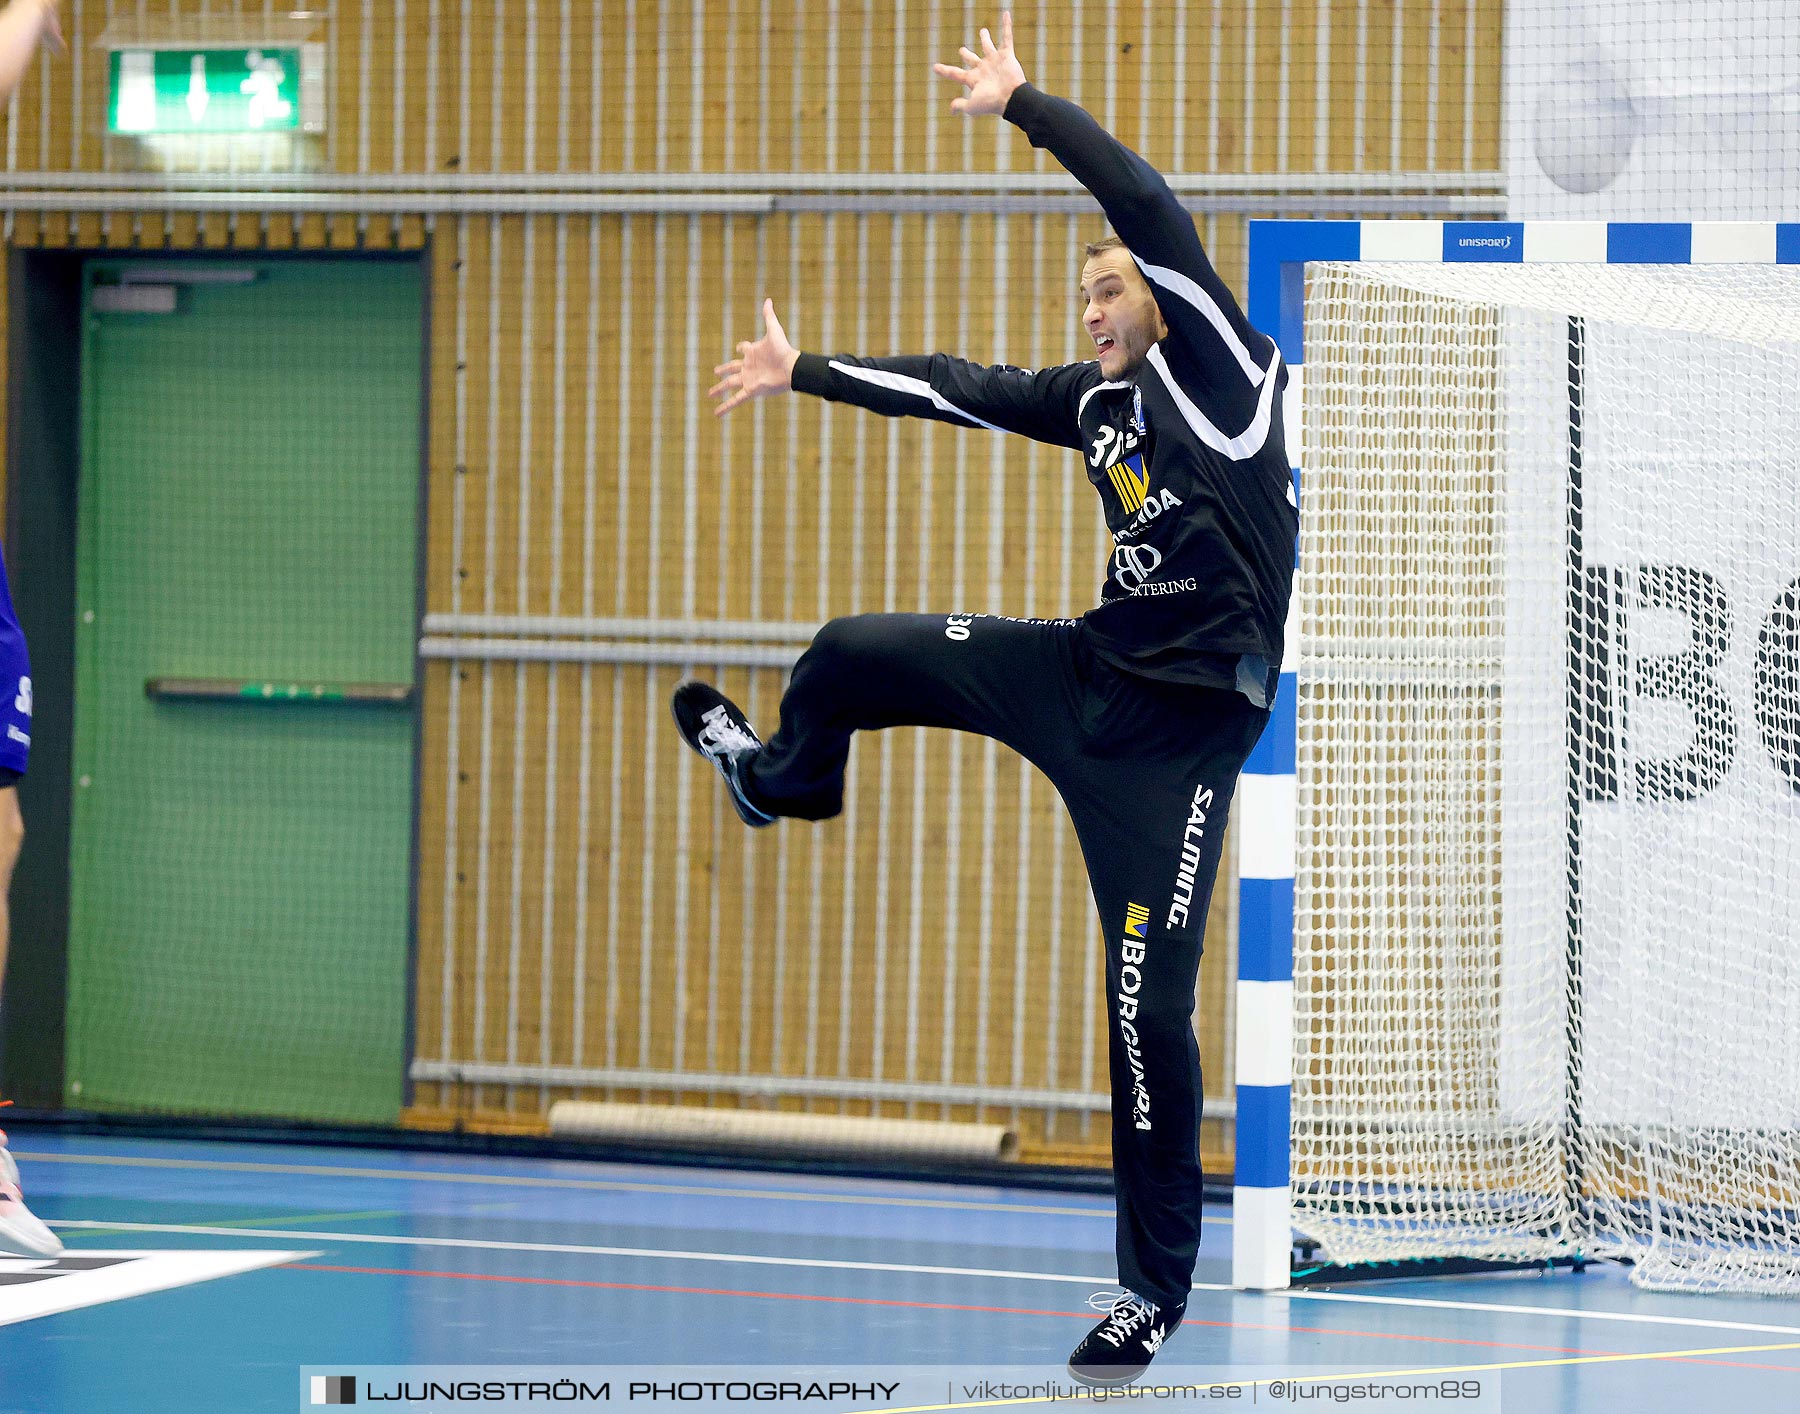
point(1146, 769)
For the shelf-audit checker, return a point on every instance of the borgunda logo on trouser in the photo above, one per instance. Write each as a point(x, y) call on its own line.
point(1131, 982)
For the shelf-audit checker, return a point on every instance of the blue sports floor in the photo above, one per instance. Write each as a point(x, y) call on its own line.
point(404, 1258)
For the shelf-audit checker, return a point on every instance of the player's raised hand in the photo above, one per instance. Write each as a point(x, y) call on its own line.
point(23, 23)
point(22, 26)
point(990, 76)
point(760, 368)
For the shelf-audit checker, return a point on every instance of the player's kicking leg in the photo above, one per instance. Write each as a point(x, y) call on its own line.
point(1010, 679)
point(713, 725)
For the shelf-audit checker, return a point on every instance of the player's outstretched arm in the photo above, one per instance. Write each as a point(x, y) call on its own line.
point(1201, 312)
point(1147, 215)
point(23, 24)
point(1041, 404)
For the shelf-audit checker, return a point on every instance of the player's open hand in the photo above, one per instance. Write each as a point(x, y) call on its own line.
point(760, 368)
point(990, 76)
point(49, 23)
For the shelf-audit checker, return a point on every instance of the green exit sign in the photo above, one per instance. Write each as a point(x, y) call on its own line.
point(267, 89)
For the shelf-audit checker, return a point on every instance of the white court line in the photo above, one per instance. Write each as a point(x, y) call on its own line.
point(491, 1245)
point(1565, 1312)
point(579, 1184)
point(138, 1274)
point(824, 1263)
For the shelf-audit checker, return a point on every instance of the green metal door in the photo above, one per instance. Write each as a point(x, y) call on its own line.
point(239, 885)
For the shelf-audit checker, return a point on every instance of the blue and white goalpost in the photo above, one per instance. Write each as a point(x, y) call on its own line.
point(1535, 762)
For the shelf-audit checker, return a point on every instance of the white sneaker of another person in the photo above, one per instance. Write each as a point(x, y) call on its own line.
point(21, 1234)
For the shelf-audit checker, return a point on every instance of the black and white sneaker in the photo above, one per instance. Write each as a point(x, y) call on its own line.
point(1121, 1347)
point(710, 722)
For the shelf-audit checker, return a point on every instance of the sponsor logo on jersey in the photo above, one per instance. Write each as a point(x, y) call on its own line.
point(1131, 479)
point(1131, 982)
point(1154, 505)
point(1133, 564)
point(1166, 586)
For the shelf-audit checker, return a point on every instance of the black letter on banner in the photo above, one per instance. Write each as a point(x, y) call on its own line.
point(1778, 684)
point(1597, 642)
point(1688, 676)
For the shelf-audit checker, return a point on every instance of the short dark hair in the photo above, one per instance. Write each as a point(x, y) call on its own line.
point(1104, 244)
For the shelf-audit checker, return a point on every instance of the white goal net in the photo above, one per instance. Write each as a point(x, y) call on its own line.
point(1547, 937)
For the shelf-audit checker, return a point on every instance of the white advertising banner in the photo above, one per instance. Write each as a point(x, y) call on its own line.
point(1687, 840)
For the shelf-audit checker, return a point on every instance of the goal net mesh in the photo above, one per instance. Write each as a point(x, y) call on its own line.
point(1547, 956)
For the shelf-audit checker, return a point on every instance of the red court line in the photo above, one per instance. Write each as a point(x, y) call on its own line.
point(993, 1310)
point(678, 1290)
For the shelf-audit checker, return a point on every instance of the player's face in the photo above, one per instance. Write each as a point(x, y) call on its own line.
point(1119, 313)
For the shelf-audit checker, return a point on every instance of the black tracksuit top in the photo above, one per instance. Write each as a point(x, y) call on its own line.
point(1188, 456)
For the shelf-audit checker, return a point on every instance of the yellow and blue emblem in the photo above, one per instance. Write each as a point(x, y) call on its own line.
point(1131, 480)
